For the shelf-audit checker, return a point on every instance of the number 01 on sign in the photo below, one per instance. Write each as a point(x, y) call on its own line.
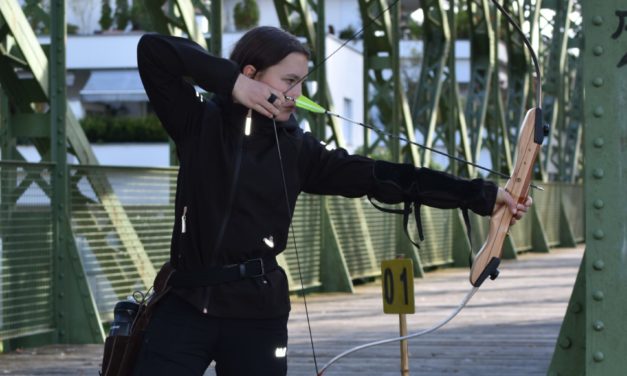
point(398, 286)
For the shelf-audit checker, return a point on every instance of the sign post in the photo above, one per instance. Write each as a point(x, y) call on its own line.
point(398, 298)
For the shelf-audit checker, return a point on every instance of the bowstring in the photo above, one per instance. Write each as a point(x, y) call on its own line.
point(300, 273)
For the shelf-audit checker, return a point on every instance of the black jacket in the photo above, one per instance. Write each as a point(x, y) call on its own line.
point(208, 135)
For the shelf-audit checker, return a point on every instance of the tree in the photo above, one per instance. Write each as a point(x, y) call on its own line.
point(246, 14)
point(122, 14)
point(106, 21)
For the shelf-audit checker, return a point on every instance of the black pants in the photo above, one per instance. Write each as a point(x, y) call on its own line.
point(182, 341)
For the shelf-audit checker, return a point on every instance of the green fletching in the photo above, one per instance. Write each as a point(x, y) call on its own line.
point(309, 105)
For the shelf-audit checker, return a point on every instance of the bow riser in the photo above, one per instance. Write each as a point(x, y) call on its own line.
point(489, 256)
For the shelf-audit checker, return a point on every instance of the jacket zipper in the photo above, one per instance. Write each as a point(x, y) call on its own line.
point(183, 220)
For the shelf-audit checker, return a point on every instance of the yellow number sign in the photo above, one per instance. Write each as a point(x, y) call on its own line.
point(398, 286)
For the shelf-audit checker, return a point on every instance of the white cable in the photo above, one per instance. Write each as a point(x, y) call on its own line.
point(409, 336)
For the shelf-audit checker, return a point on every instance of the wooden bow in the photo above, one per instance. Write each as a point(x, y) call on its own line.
point(529, 143)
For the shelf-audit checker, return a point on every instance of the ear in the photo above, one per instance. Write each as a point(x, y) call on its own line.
point(249, 71)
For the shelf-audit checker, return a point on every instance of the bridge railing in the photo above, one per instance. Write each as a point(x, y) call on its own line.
point(339, 240)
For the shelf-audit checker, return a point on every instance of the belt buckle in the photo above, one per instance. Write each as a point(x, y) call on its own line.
point(244, 268)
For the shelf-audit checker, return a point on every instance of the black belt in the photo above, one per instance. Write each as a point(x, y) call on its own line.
point(215, 275)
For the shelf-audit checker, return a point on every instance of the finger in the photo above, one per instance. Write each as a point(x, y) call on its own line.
point(510, 202)
point(264, 111)
point(529, 201)
point(272, 98)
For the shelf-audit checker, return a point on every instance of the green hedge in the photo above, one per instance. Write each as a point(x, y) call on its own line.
point(100, 129)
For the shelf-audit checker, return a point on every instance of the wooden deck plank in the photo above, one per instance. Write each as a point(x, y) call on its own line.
point(508, 328)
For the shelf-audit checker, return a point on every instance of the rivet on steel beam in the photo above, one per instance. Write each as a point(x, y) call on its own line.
point(576, 308)
point(599, 204)
point(599, 111)
point(61, 295)
point(598, 356)
point(598, 234)
point(598, 82)
point(598, 173)
point(598, 295)
point(565, 343)
point(62, 333)
point(599, 142)
point(597, 20)
point(598, 325)
point(598, 265)
point(598, 50)
point(61, 315)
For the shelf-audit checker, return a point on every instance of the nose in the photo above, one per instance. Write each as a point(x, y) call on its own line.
point(296, 91)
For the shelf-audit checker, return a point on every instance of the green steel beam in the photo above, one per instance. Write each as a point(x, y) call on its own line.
point(497, 135)
point(26, 42)
point(457, 139)
point(571, 159)
point(482, 65)
point(385, 102)
point(426, 104)
point(22, 44)
point(593, 338)
point(76, 317)
point(555, 58)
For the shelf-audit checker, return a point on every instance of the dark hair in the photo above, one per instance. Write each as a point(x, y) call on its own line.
point(265, 46)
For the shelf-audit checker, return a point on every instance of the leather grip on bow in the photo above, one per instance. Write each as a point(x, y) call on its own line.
point(489, 256)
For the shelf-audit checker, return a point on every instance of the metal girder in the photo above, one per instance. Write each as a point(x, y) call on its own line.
point(554, 54)
point(482, 66)
point(457, 141)
point(385, 102)
point(592, 338)
point(570, 152)
point(20, 92)
point(426, 106)
point(497, 135)
point(36, 89)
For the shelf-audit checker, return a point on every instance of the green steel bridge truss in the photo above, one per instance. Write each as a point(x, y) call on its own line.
point(76, 238)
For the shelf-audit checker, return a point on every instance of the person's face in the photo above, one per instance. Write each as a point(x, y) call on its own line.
point(282, 76)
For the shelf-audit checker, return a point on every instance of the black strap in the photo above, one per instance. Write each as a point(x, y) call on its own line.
point(215, 275)
point(406, 211)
